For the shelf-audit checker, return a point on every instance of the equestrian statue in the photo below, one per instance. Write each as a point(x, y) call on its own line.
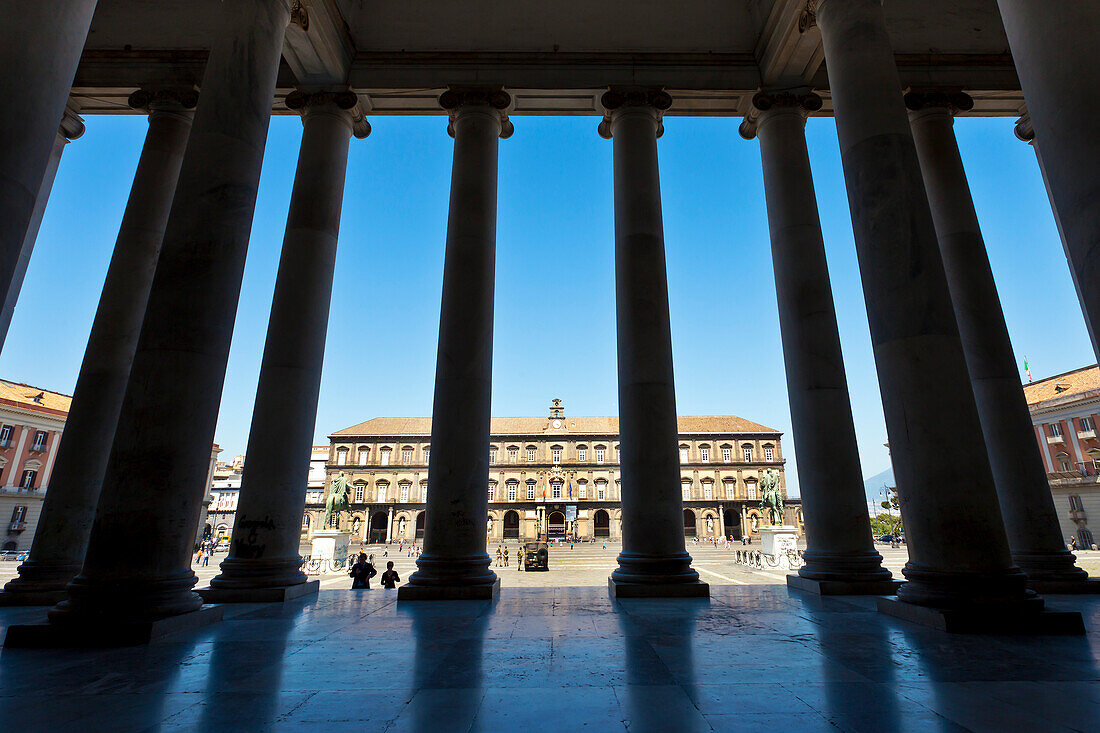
point(338, 498)
point(771, 502)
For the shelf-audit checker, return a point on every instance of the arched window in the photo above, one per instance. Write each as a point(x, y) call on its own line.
point(769, 453)
point(555, 453)
point(708, 490)
point(582, 489)
point(341, 456)
point(704, 453)
point(727, 453)
point(513, 490)
point(359, 491)
point(555, 489)
point(513, 453)
point(382, 489)
point(582, 453)
point(364, 455)
point(531, 453)
point(746, 452)
point(600, 452)
point(750, 489)
point(601, 489)
point(407, 454)
point(385, 457)
point(403, 492)
point(727, 488)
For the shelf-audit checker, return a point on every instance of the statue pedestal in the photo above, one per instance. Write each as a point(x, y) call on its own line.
point(331, 545)
point(776, 541)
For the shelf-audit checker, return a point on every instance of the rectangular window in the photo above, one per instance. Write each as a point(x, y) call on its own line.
point(385, 456)
point(727, 486)
point(407, 455)
point(582, 491)
point(5, 436)
point(512, 490)
point(424, 491)
point(426, 452)
point(359, 492)
point(39, 441)
point(492, 455)
point(769, 453)
point(364, 454)
point(557, 455)
point(530, 492)
point(1086, 425)
point(512, 454)
point(748, 454)
point(341, 457)
point(726, 457)
point(581, 454)
point(18, 514)
point(599, 455)
point(708, 491)
point(704, 455)
point(601, 491)
point(27, 480)
point(685, 491)
point(750, 490)
point(555, 490)
point(1075, 503)
point(404, 493)
point(1055, 430)
point(381, 494)
point(492, 491)
point(683, 455)
point(530, 455)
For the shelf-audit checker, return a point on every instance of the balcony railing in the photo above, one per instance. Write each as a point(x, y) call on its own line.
point(1055, 439)
point(17, 526)
point(6, 443)
point(1086, 434)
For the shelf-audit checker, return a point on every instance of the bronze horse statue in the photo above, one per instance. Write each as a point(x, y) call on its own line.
point(338, 498)
point(771, 501)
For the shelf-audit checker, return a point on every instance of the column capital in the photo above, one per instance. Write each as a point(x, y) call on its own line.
point(349, 104)
point(953, 101)
point(458, 100)
point(618, 99)
point(790, 101)
point(165, 100)
point(72, 124)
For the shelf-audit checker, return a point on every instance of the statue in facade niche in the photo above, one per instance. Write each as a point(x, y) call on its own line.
point(338, 498)
point(771, 502)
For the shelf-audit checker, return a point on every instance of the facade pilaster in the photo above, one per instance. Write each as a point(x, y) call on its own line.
point(840, 555)
point(454, 563)
point(1027, 505)
point(263, 561)
point(654, 560)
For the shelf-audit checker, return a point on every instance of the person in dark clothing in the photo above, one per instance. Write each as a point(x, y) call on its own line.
point(361, 573)
point(390, 578)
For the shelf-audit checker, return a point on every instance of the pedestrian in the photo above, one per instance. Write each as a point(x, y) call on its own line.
point(390, 578)
point(371, 559)
point(570, 544)
point(499, 556)
point(205, 558)
point(505, 557)
point(1073, 543)
point(361, 573)
point(520, 555)
point(387, 552)
point(605, 544)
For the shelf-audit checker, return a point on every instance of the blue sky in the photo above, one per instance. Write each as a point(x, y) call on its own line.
point(555, 306)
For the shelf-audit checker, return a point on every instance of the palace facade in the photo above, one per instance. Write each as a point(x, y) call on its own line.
point(558, 473)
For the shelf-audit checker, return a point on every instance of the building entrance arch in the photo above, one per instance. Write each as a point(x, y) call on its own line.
point(511, 525)
point(377, 528)
point(556, 524)
point(420, 526)
point(601, 524)
point(689, 523)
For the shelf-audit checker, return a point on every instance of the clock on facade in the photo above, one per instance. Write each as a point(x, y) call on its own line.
point(557, 423)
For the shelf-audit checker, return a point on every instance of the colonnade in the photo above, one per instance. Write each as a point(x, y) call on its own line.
point(979, 518)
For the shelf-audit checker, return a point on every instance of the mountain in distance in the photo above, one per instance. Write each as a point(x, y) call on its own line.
point(872, 485)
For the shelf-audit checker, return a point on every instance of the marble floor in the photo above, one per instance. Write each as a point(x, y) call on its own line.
point(751, 658)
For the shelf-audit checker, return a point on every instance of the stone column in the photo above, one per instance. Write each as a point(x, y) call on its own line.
point(455, 563)
point(72, 128)
point(138, 563)
point(264, 562)
point(840, 554)
point(958, 551)
point(653, 560)
point(69, 507)
point(389, 526)
point(42, 45)
point(1054, 51)
point(1026, 502)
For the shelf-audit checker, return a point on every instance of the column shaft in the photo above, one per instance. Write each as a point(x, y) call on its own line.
point(1026, 502)
point(69, 507)
point(267, 532)
point(653, 550)
point(457, 509)
point(1054, 51)
point(43, 43)
point(838, 530)
point(138, 563)
point(958, 551)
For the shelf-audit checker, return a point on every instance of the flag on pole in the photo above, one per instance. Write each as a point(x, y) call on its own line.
point(544, 489)
point(570, 490)
point(1027, 369)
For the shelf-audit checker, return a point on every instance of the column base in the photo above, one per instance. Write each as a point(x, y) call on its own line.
point(848, 567)
point(411, 592)
point(947, 589)
point(37, 581)
point(1024, 618)
point(242, 574)
point(843, 587)
point(1048, 587)
point(620, 589)
point(32, 597)
point(105, 633)
point(1057, 566)
point(276, 594)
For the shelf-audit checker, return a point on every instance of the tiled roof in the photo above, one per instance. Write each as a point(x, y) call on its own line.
point(539, 425)
point(1079, 381)
point(25, 395)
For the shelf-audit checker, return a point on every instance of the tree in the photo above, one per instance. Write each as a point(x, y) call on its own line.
point(893, 507)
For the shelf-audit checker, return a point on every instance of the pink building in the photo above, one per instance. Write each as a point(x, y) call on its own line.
point(31, 421)
point(1064, 410)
